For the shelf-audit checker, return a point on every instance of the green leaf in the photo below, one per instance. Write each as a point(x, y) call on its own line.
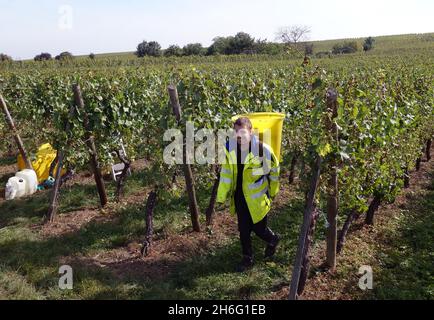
point(355, 112)
point(317, 83)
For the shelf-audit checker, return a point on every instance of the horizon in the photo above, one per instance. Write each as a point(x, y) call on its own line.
point(309, 41)
point(120, 27)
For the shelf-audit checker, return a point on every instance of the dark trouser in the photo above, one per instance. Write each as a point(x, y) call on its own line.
point(246, 226)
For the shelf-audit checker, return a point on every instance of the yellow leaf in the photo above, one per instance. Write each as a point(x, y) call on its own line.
point(324, 150)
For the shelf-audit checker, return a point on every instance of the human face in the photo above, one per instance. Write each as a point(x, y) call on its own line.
point(243, 135)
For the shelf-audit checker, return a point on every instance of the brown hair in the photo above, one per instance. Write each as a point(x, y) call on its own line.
point(244, 122)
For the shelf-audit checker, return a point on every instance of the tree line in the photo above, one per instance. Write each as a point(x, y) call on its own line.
point(241, 43)
point(292, 40)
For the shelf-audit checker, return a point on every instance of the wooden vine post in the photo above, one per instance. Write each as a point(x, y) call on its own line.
point(352, 216)
point(52, 210)
point(373, 207)
point(418, 163)
point(302, 249)
point(17, 137)
point(211, 207)
point(332, 201)
point(306, 254)
point(150, 206)
point(90, 141)
point(121, 181)
point(194, 208)
point(292, 168)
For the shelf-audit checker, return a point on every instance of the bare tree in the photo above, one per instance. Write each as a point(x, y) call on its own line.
point(293, 35)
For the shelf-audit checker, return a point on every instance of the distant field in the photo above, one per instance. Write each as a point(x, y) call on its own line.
point(387, 44)
point(383, 45)
point(402, 47)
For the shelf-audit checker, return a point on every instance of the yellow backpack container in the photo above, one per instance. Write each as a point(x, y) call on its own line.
point(267, 121)
point(41, 165)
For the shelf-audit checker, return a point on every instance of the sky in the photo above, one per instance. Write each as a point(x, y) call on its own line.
point(29, 27)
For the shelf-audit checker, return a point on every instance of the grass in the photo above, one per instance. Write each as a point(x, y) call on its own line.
point(30, 262)
point(8, 161)
point(407, 263)
point(212, 276)
point(386, 45)
point(399, 248)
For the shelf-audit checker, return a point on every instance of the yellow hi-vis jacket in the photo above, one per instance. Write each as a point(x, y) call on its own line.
point(260, 178)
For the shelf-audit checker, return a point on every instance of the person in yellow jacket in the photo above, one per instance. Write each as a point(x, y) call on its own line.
point(250, 177)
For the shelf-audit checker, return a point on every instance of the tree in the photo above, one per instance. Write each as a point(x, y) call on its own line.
point(345, 47)
point(43, 57)
point(5, 57)
point(173, 50)
point(92, 56)
point(193, 49)
point(64, 56)
point(323, 54)
point(152, 48)
point(265, 47)
point(308, 49)
point(369, 44)
point(220, 46)
point(293, 35)
point(241, 43)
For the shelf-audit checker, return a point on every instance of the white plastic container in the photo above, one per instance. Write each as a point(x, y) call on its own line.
point(31, 179)
point(25, 183)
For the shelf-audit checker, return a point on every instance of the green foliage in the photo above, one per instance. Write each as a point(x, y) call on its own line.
point(308, 49)
point(43, 57)
point(241, 43)
point(385, 113)
point(193, 49)
point(5, 57)
point(269, 48)
point(346, 47)
point(145, 48)
point(173, 50)
point(64, 56)
point(368, 44)
point(220, 46)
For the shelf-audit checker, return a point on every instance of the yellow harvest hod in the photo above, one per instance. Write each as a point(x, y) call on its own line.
point(263, 121)
point(44, 157)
